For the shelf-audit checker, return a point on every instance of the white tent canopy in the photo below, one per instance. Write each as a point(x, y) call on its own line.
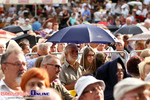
point(18, 2)
point(33, 1)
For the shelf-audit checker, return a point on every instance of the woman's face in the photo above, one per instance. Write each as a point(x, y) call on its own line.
point(34, 84)
point(90, 56)
point(120, 72)
point(26, 50)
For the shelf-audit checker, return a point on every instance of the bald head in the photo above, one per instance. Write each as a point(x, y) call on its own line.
point(128, 21)
point(147, 24)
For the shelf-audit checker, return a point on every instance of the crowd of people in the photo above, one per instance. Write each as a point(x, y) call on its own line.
point(67, 71)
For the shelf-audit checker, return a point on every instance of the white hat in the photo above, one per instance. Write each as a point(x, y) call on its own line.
point(126, 85)
point(27, 19)
point(123, 6)
point(85, 81)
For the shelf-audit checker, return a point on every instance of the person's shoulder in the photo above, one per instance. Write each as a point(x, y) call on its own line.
point(31, 60)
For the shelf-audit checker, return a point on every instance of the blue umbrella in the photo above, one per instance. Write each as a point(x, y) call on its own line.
point(83, 33)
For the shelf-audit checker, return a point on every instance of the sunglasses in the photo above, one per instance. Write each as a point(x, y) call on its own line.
point(57, 66)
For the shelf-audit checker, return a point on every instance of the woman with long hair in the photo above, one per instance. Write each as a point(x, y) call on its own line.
point(87, 57)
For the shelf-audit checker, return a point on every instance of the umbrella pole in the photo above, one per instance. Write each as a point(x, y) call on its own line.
point(35, 10)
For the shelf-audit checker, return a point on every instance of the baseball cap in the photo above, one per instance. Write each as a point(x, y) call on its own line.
point(85, 81)
point(126, 85)
point(27, 19)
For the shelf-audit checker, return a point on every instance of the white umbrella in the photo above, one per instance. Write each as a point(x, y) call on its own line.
point(18, 2)
point(132, 3)
point(143, 36)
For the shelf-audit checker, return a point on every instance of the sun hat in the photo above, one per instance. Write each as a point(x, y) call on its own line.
point(85, 81)
point(126, 85)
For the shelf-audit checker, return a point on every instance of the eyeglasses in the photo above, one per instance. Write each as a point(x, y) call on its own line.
point(18, 64)
point(93, 90)
point(139, 96)
point(57, 66)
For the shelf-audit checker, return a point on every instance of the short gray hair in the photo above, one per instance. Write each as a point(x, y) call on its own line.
point(47, 59)
point(7, 53)
point(68, 46)
point(43, 46)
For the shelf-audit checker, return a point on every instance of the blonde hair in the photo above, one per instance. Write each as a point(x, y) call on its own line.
point(142, 66)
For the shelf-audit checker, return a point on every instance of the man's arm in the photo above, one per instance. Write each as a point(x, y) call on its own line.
point(70, 86)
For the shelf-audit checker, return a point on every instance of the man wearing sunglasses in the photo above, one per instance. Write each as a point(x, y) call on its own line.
point(52, 64)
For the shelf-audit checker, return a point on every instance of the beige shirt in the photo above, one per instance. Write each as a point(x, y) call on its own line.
point(61, 89)
point(69, 74)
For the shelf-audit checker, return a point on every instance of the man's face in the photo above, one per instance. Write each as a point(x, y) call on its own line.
point(15, 67)
point(2, 48)
point(72, 54)
point(119, 47)
point(52, 70)
point(26, 22)
point(92, 92)
point(128, 22)
point(137, 94)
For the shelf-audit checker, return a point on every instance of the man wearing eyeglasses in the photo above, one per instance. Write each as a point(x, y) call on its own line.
point(132, 89)
point(13, 65)
point(71, 70)
point(52, 64)
point(89, 88)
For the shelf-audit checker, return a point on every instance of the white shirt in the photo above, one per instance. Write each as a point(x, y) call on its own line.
point(125, 12)
point(5, 88)
point(84, 4)
point(21, 20)
point(108, 6)
point(97, 16)
point(146, 2)
point(144, 12)
point(48, 30)
point(48, 8)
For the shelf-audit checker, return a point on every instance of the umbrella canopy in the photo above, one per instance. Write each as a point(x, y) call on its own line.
point(131, 29)
point(112, 28)
point(6, 36)
point(132, 3)
point(32, 39)
point(83, 33)
point(16, 29)
point(143, 36)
